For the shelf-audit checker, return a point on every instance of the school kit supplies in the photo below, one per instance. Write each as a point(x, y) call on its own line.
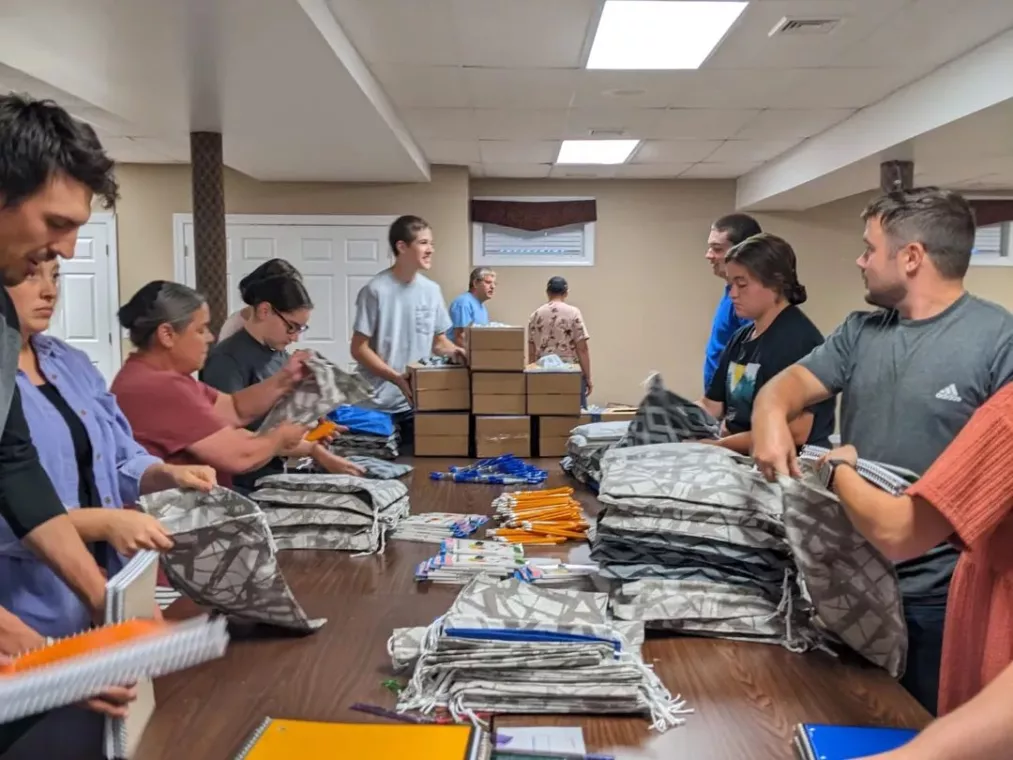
point(460, 561)
point(814, 741)
point(130, 594)
point(309, 740)
point(549, 516)
point(502, 470)
point(83, 666)
point(435, 527)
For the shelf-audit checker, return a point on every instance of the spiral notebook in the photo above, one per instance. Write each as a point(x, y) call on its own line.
point(814, 741)
point(81, 666)
point(310, 740)
point(130, 594)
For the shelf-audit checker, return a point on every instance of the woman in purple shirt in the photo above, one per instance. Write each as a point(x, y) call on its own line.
point(86, 447)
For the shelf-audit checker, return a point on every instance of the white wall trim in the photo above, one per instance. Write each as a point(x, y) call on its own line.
point(108, 219)
point(179, 222)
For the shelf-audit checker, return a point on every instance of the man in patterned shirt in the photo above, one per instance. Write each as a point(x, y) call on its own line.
point(558, 328)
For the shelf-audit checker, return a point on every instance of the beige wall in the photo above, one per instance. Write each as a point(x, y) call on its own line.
point(648, 300)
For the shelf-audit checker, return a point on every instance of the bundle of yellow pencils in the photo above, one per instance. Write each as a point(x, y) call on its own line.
point(550, 516)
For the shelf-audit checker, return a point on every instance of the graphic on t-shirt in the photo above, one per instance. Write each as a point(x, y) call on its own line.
point(741, 385)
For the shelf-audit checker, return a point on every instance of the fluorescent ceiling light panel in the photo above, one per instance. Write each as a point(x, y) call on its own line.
point(660, 34)
point(595, 151)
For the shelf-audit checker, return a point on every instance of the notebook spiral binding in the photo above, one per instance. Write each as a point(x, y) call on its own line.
point(252, 740)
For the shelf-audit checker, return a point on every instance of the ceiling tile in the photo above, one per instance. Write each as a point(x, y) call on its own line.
point(837, 88)
point(718, 88)
point(719, 170)
point(400, 31)
point(521, 171)
point(576, 171)
point(521, 152)
point(622, 89)
point(675, 151)
point(454, 152)
point(635, 123)
point(749, 45)
point(520, 88)
point(521, 33)
point(441, 123)
point(651, 171)
point(703, 123)
point(422, 86)
point(782, 123)
point(520, 124)
point(745, 151)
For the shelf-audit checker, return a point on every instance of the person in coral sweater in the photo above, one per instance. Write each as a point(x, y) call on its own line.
point(965, 497)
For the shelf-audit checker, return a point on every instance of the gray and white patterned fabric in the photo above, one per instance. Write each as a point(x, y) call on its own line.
point(324, 388)
point(379, 469)
point(223, 557)
point(667, 417)
point(701, 543)
point(367, 445)
point(585, 447)
point(327, 511)
point(510, 647)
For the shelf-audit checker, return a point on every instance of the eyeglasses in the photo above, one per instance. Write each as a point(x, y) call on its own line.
point(293, 328)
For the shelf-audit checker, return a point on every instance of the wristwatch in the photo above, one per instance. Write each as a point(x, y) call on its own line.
point(830, 470)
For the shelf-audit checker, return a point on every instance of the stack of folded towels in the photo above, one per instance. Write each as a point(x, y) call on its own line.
point(585, 447)
point(337, 512)
point(371, 433)
point(507, 646)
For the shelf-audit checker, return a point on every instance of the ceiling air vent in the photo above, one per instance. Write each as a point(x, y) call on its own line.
point(604, 133)
point(796, 26)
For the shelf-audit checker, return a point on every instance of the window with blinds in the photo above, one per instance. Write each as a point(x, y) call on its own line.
point(563, 246)
point(992, 245)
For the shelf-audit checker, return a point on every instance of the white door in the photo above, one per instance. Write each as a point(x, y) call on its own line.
point(86, 311)
point(335, 260)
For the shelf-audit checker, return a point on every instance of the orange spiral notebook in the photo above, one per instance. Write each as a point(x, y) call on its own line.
point(309, 740)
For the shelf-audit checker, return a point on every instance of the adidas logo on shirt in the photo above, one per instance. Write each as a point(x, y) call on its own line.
point(949, 393)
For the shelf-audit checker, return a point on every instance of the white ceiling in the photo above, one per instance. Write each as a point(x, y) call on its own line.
point(376, 90)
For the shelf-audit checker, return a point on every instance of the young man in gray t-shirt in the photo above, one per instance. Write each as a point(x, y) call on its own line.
point(400, 318)
point(910, 376)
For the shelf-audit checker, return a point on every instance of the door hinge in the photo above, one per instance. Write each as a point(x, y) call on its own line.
point(110, 339)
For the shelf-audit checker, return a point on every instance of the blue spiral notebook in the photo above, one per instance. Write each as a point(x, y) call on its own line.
point(814, 741)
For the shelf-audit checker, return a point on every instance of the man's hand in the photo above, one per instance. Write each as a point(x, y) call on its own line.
point(774, 448)
point(404, 385)
point(339, 465)
point(129, 531)
point(16, 636)
point(288, 435)
point(590, 385)
point(197, 477)
point(459, 355)
point(847, 454)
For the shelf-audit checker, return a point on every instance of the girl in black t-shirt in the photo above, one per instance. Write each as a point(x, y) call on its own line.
point(764, 284)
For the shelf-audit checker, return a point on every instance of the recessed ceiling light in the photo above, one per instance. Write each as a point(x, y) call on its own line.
point(660, 34)
point(595, 151)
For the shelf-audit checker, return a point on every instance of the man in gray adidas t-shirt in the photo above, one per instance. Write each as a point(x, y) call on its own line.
point(910, 376)
point(400, 318)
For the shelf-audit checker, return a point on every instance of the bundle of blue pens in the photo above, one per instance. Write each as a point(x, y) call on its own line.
point(506, 470)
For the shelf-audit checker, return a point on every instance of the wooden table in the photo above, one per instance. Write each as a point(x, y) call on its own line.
point(746, 697)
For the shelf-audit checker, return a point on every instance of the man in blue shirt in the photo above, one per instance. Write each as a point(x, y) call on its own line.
point(469, 308)
point(726, 233)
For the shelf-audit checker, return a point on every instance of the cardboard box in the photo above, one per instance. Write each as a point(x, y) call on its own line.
point(438, 388)
point(554, 432)
point(442, 435)
point(498, 393)
point(552, 446)
point(553, 392)
point(495, 436)
point(499, 349)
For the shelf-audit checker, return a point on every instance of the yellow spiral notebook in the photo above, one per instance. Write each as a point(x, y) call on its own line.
point(309, 740)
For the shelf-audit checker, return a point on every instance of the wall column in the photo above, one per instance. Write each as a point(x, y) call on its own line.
point(896, 175)
point(209, 240)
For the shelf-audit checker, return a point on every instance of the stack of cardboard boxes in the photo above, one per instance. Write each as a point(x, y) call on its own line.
point(514, 408)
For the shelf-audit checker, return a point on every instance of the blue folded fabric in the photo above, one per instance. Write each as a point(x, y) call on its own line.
point(363, 421)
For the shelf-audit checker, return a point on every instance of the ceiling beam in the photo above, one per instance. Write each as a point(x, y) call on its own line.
point(841, 161)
